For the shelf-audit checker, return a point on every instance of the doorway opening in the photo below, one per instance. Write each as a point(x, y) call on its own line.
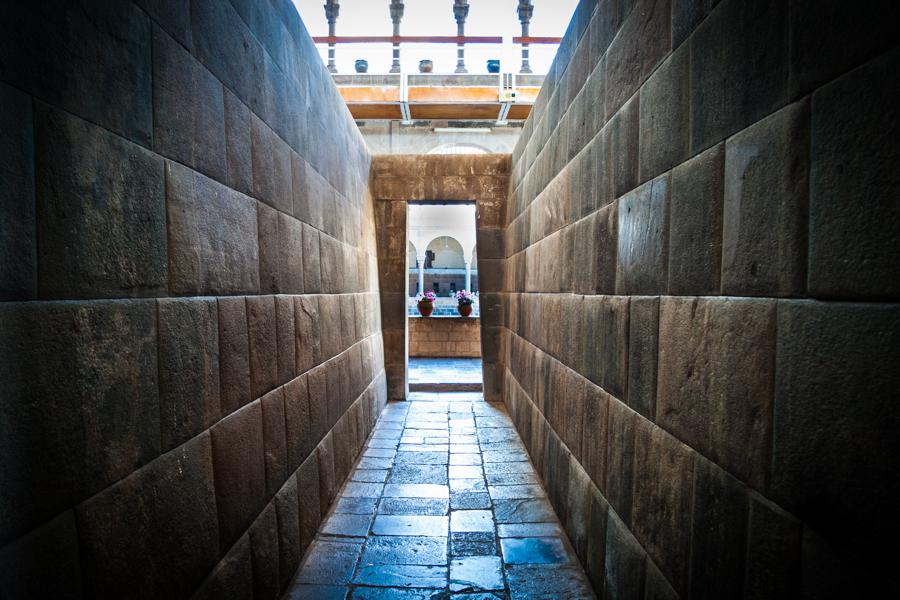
point(443, 316)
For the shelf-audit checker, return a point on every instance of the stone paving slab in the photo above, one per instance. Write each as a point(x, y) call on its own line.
point(444, 503)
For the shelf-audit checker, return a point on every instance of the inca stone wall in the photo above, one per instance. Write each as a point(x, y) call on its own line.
point(445, 337)
point(190, 336)
point(701, 331)
point(479, 178)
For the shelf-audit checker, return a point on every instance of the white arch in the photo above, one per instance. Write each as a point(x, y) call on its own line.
point(458, 148)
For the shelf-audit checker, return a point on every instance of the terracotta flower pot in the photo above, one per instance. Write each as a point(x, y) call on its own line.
point(425, 307)
point(464, 309)
point(426, 66)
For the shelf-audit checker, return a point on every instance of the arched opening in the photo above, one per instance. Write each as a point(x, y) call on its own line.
point(411, 260)
point(444, 252)
point(457, 148)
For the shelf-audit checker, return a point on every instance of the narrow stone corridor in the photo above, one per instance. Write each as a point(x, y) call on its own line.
point(443, 503)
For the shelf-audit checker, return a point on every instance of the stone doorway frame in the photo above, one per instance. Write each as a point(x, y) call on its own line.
point(398, 180)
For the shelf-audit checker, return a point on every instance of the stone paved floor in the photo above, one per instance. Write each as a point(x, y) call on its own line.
point(444, 503)
point(445, 370)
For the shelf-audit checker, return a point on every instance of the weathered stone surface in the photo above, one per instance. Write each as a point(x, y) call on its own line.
point(719, 534)
point(739, 68)
point(606, 344)
point(238, 454)
point(663, 496)
point(643, 41)
point(91, 59)
point(44, 563)
point(625, 562)
point(835, 385)
point(188, 109)
point(715, 380)
point(656, 586)
point(298, 425)
point(854, 226)
point(173, 15)
point(829, 570)
point(620, 143)
point(318, 403)
point(232, 577)
point(595, 427)
point(18, 258)
point(79, 409)
point(643, 347)
point(686, 15)
point(306, 321)
point(327, 483)
point(766, 205)
point(262, 329)
point(141, 534)
point(330, 325)
point(312, 276)
point(234, 354)
point(238, 157)
point(599, 240)
point(289, 550)
point(695, 224)
point(212, 235)
point(271, 167)
point(274, 439)
point(188, 368)
point(773, 552)
point(665, 116)
point(264, 554)
point(311, 192)
point(643, 239)
point(86, 175)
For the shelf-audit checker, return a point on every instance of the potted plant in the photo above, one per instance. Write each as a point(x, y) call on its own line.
point(493, 65)
point(426, 66)
point(361, 65)
point(425, 303)
point(465, 300)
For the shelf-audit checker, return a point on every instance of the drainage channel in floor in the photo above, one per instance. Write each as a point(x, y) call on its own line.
point(443, 503)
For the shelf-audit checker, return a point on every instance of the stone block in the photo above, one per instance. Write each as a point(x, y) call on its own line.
point(620, 447)
point(865, 34)
point(643, 239)
point(643, 346)
point(719, 534)
point(18, 258)
point(289, 550)
point(188, 368)
point(686, 15)
point(188, 109)
point(141, 538)
point(625, 562)
point(298, 424)
point(764, 231)
point(274, 439)
point(715, 380)
point(312, 276)
point(665, 112)
point(854, 226)
point(318, 403)
point(264, 554)
point(101, 219)
point(331, 261)
point(286, 338)
point(173, 15)
point(595, 427)
point(272, 179)
point(695, 224)
point(835, 450)
point(43, 563)
point(263, 336)
point(212, 236)
point(232, 577)
point(663, 499)
point(80, 406)
point(830, 570)
point(238, 157)
point(606, 342)
point(595, 553)
point(290, 255)
point(348, 320)
point(330, 325)
point(92, 59)
point(656, 586)
point(773, 552)
point(327, 483)
point(308, 351)
point(739, 68)
point(238, 453)
point(489, 243)
point(600, 241)
point(234, 354)
point(308, 500)
point(644, 39)
point(269, 250)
